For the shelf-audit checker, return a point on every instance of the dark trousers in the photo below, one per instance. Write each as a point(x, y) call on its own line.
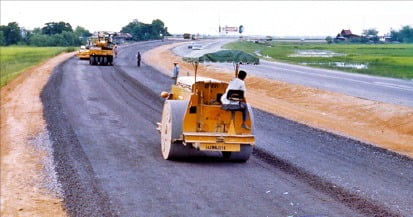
point(242, 106)
point(139, 63)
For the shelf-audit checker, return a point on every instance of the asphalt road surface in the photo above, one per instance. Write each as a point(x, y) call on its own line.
point(388, 90)
point(102, 121)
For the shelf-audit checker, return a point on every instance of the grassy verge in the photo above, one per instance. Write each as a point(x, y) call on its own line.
point(388, 60)
point(15, 59)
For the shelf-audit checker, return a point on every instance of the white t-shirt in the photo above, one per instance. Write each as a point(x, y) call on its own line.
point(234, 84)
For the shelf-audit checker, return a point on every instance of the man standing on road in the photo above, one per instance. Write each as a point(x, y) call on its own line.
point(116, 50)
point(175, 72)
point(227, 104)
point(138, 59)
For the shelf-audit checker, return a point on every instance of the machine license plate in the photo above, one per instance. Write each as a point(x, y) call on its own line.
point(219, 147)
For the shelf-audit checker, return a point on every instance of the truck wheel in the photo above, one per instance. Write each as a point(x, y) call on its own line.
point(91, 60)
point(171, 129)
point(105, 61)
point(96, 60)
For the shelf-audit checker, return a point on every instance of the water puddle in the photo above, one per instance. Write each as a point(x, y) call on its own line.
point(315, 53)
point(351, 65)
point(341, 65)
point(257, 52)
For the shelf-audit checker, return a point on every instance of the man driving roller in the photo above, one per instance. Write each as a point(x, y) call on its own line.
point(228, 104)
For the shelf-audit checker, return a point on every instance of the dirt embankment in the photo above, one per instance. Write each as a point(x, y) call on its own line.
point(385, 125)
point(28, 184)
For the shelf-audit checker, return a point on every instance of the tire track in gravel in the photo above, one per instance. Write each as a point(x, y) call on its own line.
point(82, 193)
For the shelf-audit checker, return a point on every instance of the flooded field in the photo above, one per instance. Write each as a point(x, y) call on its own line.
point(389, 60)
point(315, 53)
point(340, 65)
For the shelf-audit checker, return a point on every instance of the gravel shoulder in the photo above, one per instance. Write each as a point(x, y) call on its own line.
point(28, 180)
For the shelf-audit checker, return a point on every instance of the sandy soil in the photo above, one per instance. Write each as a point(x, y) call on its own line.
point(385, 125)
point(28, 187)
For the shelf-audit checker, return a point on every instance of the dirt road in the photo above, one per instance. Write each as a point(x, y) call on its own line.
point(102, 123)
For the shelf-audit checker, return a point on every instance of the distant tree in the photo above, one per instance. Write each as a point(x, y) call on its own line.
point(1, 37)
point(71, 38)
point(26, 34)
point(371, 34)
point(405, 35)
point(40, 40)
point(142, 31)
point(11, 33)
point(134, 28)
point(361, 39)
point(37, 30)
point(82, 34)
point(157, 27)
point(166, 32)
point(329, 39)
point(56, 28)
point(63, 39)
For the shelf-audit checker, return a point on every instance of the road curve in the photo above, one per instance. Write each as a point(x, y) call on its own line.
point(388, 90)
point(102, 123)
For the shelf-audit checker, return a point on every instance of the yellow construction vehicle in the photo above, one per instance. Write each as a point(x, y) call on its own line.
point(193, 117)
point(101, 49)
point(83, 53)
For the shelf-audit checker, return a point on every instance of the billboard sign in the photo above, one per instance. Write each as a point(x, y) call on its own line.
point(230, 29)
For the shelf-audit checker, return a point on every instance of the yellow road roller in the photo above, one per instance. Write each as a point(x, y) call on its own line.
point(193, 116)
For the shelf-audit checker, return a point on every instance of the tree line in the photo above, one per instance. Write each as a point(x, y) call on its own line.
point(63, 34)
point(404, 35)
point(142, 31)
point(51, 34)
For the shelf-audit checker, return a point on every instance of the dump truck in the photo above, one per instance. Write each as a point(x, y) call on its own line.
point(187, 36)
point(101, 49)
point(193, 117)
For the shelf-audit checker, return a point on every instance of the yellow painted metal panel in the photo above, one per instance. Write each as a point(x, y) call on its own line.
point(219, 147)
point(219, 138)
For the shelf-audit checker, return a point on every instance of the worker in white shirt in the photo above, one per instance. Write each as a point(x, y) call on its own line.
point(235, 105)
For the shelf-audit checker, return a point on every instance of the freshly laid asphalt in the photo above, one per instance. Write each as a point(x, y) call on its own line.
point(102, 120)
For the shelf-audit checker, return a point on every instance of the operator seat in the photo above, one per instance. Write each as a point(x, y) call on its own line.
point(234, 95)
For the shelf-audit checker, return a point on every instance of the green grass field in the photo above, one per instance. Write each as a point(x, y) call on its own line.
point(15, 59)
point(388, 60)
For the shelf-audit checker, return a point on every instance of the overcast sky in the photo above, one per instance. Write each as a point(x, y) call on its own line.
point(278, 18)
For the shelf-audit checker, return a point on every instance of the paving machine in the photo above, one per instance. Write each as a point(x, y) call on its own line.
point(193, 117)
point(101, 49)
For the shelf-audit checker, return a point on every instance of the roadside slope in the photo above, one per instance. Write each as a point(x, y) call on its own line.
point(28, 186)
point(385, 125)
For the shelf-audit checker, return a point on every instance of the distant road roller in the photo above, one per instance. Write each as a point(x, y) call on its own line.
point(101, 49)
point(193, 117)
